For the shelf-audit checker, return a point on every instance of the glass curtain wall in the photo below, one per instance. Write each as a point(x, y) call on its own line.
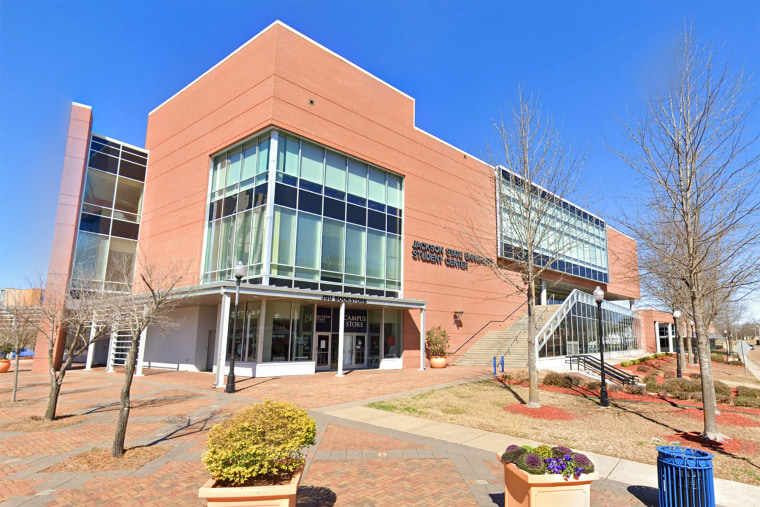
point(575, 242)
point(578, 332)
point(109, 220)
point(337, 221)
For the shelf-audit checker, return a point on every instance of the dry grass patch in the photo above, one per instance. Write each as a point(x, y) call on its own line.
point(626, 430)
point(100, 460)
point(37, 423)
point(17, 404)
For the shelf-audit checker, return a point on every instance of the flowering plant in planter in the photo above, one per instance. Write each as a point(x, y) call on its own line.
point(437, 342)
point(548, 460)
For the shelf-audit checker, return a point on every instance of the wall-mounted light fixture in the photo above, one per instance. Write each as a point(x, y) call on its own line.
point(458, 316)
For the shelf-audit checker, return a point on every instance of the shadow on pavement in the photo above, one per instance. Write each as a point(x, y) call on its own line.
point(315, 496)
point(646, 495)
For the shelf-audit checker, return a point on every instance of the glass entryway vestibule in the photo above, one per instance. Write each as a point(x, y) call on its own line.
point(359, 351)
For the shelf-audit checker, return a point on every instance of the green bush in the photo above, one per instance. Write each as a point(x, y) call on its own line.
point(696, 376)
point(747, 401)
point(640, 390)
point(696, 397)
point(680, 395)
point(742, 391)
point(643, 368)
point(553, 378)
point(669, 374)
point(437, 342)
point(675, 385)
point(651, 382)
point(722, 398)
point(265, 440)
point(626, 363)
point(722, 389)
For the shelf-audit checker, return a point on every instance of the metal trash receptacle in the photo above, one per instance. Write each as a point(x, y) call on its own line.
point(685, 477)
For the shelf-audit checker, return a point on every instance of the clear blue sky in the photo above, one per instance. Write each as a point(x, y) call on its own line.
point(461, 61)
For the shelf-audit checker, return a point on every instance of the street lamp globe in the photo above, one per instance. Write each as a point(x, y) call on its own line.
point(240, 270)
point(598, 294)
point(677, 314)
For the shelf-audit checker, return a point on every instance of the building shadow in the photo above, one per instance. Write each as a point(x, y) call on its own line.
point(646, 495)
point(497, 499)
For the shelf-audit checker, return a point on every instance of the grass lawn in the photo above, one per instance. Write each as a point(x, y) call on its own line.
point(627, 429)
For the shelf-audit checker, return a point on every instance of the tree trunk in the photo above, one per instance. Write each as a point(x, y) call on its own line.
point(532, 361)
point(690, 345)
point(117, 449)
point(15, 377)
point(682, 350)
point(709, 402)
point(55, 389)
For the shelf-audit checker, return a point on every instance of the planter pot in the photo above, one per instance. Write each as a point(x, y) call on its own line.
point(271, 496)
point(5, 365)
point(522, 489)
point(438, 362)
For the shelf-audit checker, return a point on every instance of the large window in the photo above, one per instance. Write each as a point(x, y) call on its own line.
point(109, 220)
point(337, 221)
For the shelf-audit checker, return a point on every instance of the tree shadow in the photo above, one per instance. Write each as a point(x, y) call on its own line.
point(315, 496)
point(160, 401)
point(514, 393)
point(650, 419)
point(189, 428)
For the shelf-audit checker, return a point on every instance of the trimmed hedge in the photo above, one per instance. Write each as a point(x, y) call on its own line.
point(747, 401)
point(751, 392)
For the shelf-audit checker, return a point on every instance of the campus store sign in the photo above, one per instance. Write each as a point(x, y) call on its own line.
point(436, 254)
point(355, 321)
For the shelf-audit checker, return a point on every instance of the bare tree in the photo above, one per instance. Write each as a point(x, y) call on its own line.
point(17, 333)
point(72, 318)
point(156, 295)
point(695, 151)
point(534, 171)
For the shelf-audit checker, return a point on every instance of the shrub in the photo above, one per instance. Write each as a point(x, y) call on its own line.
point(751, 392)
point(516, 375)
point(643, 368)
point(640, 390)
point(669, 374)
point(531, 463)
point(594, 385)
point(695, 376)
point(626, 363)
point(265, 440)
point(680, 395)
point(722, 398)
point(696, 396)
point(561, 380)
point(722, 389)
point(437, 342)
point(674, 385)
point(651, 382)
point(747, 401)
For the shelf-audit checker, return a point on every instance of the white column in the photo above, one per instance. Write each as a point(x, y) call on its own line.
point(262, 327)
point(111, 344)
point(657, 337)
point(141, 352)
point(670, 337)
point(269, 208)
point(543, 292)
point(91, 346)
point(221, 340)
point(422, 339)
point(340, 339)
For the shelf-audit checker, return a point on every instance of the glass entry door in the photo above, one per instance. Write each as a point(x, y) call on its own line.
point(354, 350)
point(327, 351)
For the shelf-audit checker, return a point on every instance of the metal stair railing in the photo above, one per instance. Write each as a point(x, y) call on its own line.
point(593, 364)
point(486, 325)
point(555, 320)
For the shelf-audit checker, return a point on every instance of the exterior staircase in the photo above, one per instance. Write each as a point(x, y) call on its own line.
point(511, 343)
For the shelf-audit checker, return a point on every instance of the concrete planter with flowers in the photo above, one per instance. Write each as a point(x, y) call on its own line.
point(546, 477)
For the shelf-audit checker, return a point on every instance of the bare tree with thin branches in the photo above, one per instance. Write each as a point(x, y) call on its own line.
point(17, 333)
point(535, 169)
point(694, 148)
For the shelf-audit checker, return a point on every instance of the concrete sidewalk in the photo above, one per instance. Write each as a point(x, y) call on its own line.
point(727, 493)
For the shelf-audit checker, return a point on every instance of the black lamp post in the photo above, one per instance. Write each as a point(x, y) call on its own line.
point(239, 272)
point(677, 314)
point(599, 297)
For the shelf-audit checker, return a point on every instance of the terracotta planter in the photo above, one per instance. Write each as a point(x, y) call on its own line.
point(522, 489)
point(438, 362)
point(5, 365)
point(270, 496)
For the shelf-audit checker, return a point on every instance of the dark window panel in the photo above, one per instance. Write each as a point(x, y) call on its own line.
point(375, 292)
point(311, 186)
point(245, 200)
point(94, 223)
point(261, 195)
point(337, 194)
point(280, 282)
point(376, 206)
point(309, 201)
point(127, 149)
point(356, 215)
point(132, 170)
point(394, 225)
point(285, 195)
point(288, 179)
point(300, 284)
point(103, 162)
point(134, 158)
point(230, 205)
point(335, 209)
point(353, 290)
point(355, 199)
point(125, 229)
point(391, 294)
point(212, 211)
point(331, 287)
point(376, 220)
point(111, 150)
point(392, 211)
point(329, 277)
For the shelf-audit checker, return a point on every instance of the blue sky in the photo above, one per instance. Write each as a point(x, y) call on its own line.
point(590, 62)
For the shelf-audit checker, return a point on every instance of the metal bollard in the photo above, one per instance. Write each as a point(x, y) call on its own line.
point(502, 364)
point(685, 477)
point(494, 366)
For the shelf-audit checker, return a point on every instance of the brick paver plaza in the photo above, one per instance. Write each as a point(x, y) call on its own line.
point(353, 463)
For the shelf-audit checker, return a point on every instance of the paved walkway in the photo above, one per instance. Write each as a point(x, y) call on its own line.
point(363, 457)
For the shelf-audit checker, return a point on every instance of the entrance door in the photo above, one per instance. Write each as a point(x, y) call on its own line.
point(323, 351)
point(354, 350)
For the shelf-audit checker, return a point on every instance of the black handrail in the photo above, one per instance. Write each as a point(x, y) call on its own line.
point(486, 325)
point(594, 364)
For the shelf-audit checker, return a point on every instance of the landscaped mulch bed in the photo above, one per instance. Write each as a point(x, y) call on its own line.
point(724, 418)
point(545, 412)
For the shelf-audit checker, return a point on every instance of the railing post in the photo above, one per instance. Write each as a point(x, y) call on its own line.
point(494, 366)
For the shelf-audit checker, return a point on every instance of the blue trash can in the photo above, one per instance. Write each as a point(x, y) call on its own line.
point(685, 477)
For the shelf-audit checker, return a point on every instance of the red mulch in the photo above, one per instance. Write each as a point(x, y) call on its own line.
point(731, 446)
point(724, 418)
point(545, 412)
